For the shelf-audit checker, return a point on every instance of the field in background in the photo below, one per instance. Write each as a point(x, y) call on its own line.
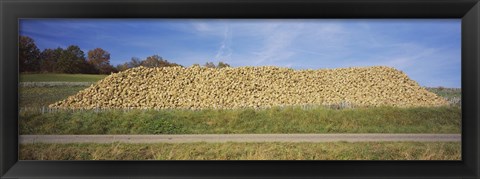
point(35, 98)
point(245, 151)
point(452, 95)
point(49, 77)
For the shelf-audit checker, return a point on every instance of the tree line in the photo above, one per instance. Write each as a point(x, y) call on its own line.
point(72, 60)
point(69, 60)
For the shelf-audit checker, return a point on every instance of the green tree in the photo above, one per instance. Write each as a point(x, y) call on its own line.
point(222, 65)
point(134, 62)
point(157, 61)
point(122, 67)
point(153, 61)
point(209, 65)
point(49, 59)
point(89, 68)
point(72, 60)
point(29, 55)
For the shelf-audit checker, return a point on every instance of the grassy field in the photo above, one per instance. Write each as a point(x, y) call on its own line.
point(245, 151)
point(272, 120)
point(37, 97)
point(452, 95)
point(48, 77)
point(446, 92)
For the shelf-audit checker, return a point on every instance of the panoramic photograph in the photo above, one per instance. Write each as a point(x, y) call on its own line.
point(239, 89)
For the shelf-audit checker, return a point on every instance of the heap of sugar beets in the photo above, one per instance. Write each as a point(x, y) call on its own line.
point(250, 87)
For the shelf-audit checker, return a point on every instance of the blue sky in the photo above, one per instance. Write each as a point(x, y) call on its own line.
point(428, 50)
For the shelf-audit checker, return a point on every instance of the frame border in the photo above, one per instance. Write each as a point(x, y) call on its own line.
point(467, 10)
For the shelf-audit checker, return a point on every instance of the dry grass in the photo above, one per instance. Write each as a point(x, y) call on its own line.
point(245, 151)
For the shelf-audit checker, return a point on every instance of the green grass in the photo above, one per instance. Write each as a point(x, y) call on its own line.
point(446, 92)
point(37, 97)
point(245, 151)
point(48, 77)
point(241, 121)
point(452, 95)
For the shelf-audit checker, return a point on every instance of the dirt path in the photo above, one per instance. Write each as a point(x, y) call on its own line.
point(25, 139)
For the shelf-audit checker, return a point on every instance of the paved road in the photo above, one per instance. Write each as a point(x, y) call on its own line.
point(238, 138)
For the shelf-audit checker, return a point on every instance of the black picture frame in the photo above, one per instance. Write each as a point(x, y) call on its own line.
point(467, 10)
